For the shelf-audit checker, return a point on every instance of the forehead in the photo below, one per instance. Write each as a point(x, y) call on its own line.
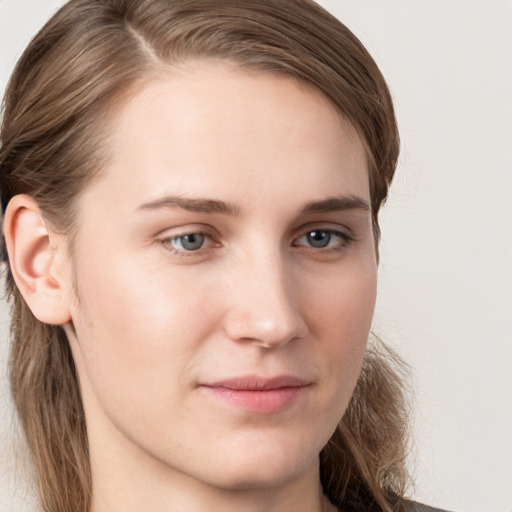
point(208, 128)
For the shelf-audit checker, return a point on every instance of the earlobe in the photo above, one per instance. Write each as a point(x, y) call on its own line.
point(33, 251)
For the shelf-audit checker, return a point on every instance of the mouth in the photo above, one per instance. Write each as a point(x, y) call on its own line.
point(258, 394)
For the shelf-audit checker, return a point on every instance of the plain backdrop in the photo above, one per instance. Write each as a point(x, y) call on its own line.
point(445, 296)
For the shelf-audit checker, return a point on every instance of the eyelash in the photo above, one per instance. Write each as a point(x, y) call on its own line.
point(345, 240)
point(168, 243)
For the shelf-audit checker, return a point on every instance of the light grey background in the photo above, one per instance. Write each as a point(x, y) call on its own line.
point(446, 257)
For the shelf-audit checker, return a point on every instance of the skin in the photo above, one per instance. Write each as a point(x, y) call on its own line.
point(151, 323)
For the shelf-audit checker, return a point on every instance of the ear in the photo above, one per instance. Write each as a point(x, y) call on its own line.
point(37, 261)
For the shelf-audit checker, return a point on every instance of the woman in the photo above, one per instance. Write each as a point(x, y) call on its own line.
point(191, 194)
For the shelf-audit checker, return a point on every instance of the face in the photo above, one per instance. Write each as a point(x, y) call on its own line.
point(225, 277)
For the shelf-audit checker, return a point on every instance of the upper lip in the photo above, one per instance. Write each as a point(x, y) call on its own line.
point(256, 383)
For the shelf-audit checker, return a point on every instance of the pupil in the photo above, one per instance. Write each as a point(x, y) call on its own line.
point(319, 238)
point(192, 242)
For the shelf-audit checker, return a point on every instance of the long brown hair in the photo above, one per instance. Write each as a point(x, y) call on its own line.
point(57, 112)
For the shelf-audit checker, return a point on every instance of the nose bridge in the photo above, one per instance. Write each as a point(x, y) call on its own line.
point(265, 308)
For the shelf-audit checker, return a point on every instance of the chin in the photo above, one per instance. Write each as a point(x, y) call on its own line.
point(258, 478)
point(264, 467)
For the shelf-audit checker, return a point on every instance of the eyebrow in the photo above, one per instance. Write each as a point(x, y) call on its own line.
point(336, 204)
point(198, 205)
point(211, 206)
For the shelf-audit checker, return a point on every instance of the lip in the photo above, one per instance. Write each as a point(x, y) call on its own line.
point(258, 394)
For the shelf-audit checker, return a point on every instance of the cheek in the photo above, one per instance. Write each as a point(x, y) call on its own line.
point(344, 302)
point(340, 319)
point(137, 333)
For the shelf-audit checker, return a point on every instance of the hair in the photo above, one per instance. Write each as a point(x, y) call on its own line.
point(58, 110)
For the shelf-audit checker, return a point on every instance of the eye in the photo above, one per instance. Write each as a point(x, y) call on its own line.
point(320, 238)
point(188, 242)
point(323, 239)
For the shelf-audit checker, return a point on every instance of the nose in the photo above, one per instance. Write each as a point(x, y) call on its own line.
point(264, 305)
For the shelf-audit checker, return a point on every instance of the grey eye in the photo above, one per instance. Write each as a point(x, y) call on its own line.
point(319, 238)
point(190, 242)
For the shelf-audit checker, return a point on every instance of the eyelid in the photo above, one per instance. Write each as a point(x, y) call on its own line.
point(344, 234)
point(185, 229)
point(332, 232)
point(166, 237)
point(342, 230)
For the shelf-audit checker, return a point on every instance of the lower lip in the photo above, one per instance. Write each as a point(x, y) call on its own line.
point(263, 401)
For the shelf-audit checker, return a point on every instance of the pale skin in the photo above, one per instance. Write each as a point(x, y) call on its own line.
point(278, 278)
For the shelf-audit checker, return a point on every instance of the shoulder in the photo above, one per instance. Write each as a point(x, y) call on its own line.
point(419, 507)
